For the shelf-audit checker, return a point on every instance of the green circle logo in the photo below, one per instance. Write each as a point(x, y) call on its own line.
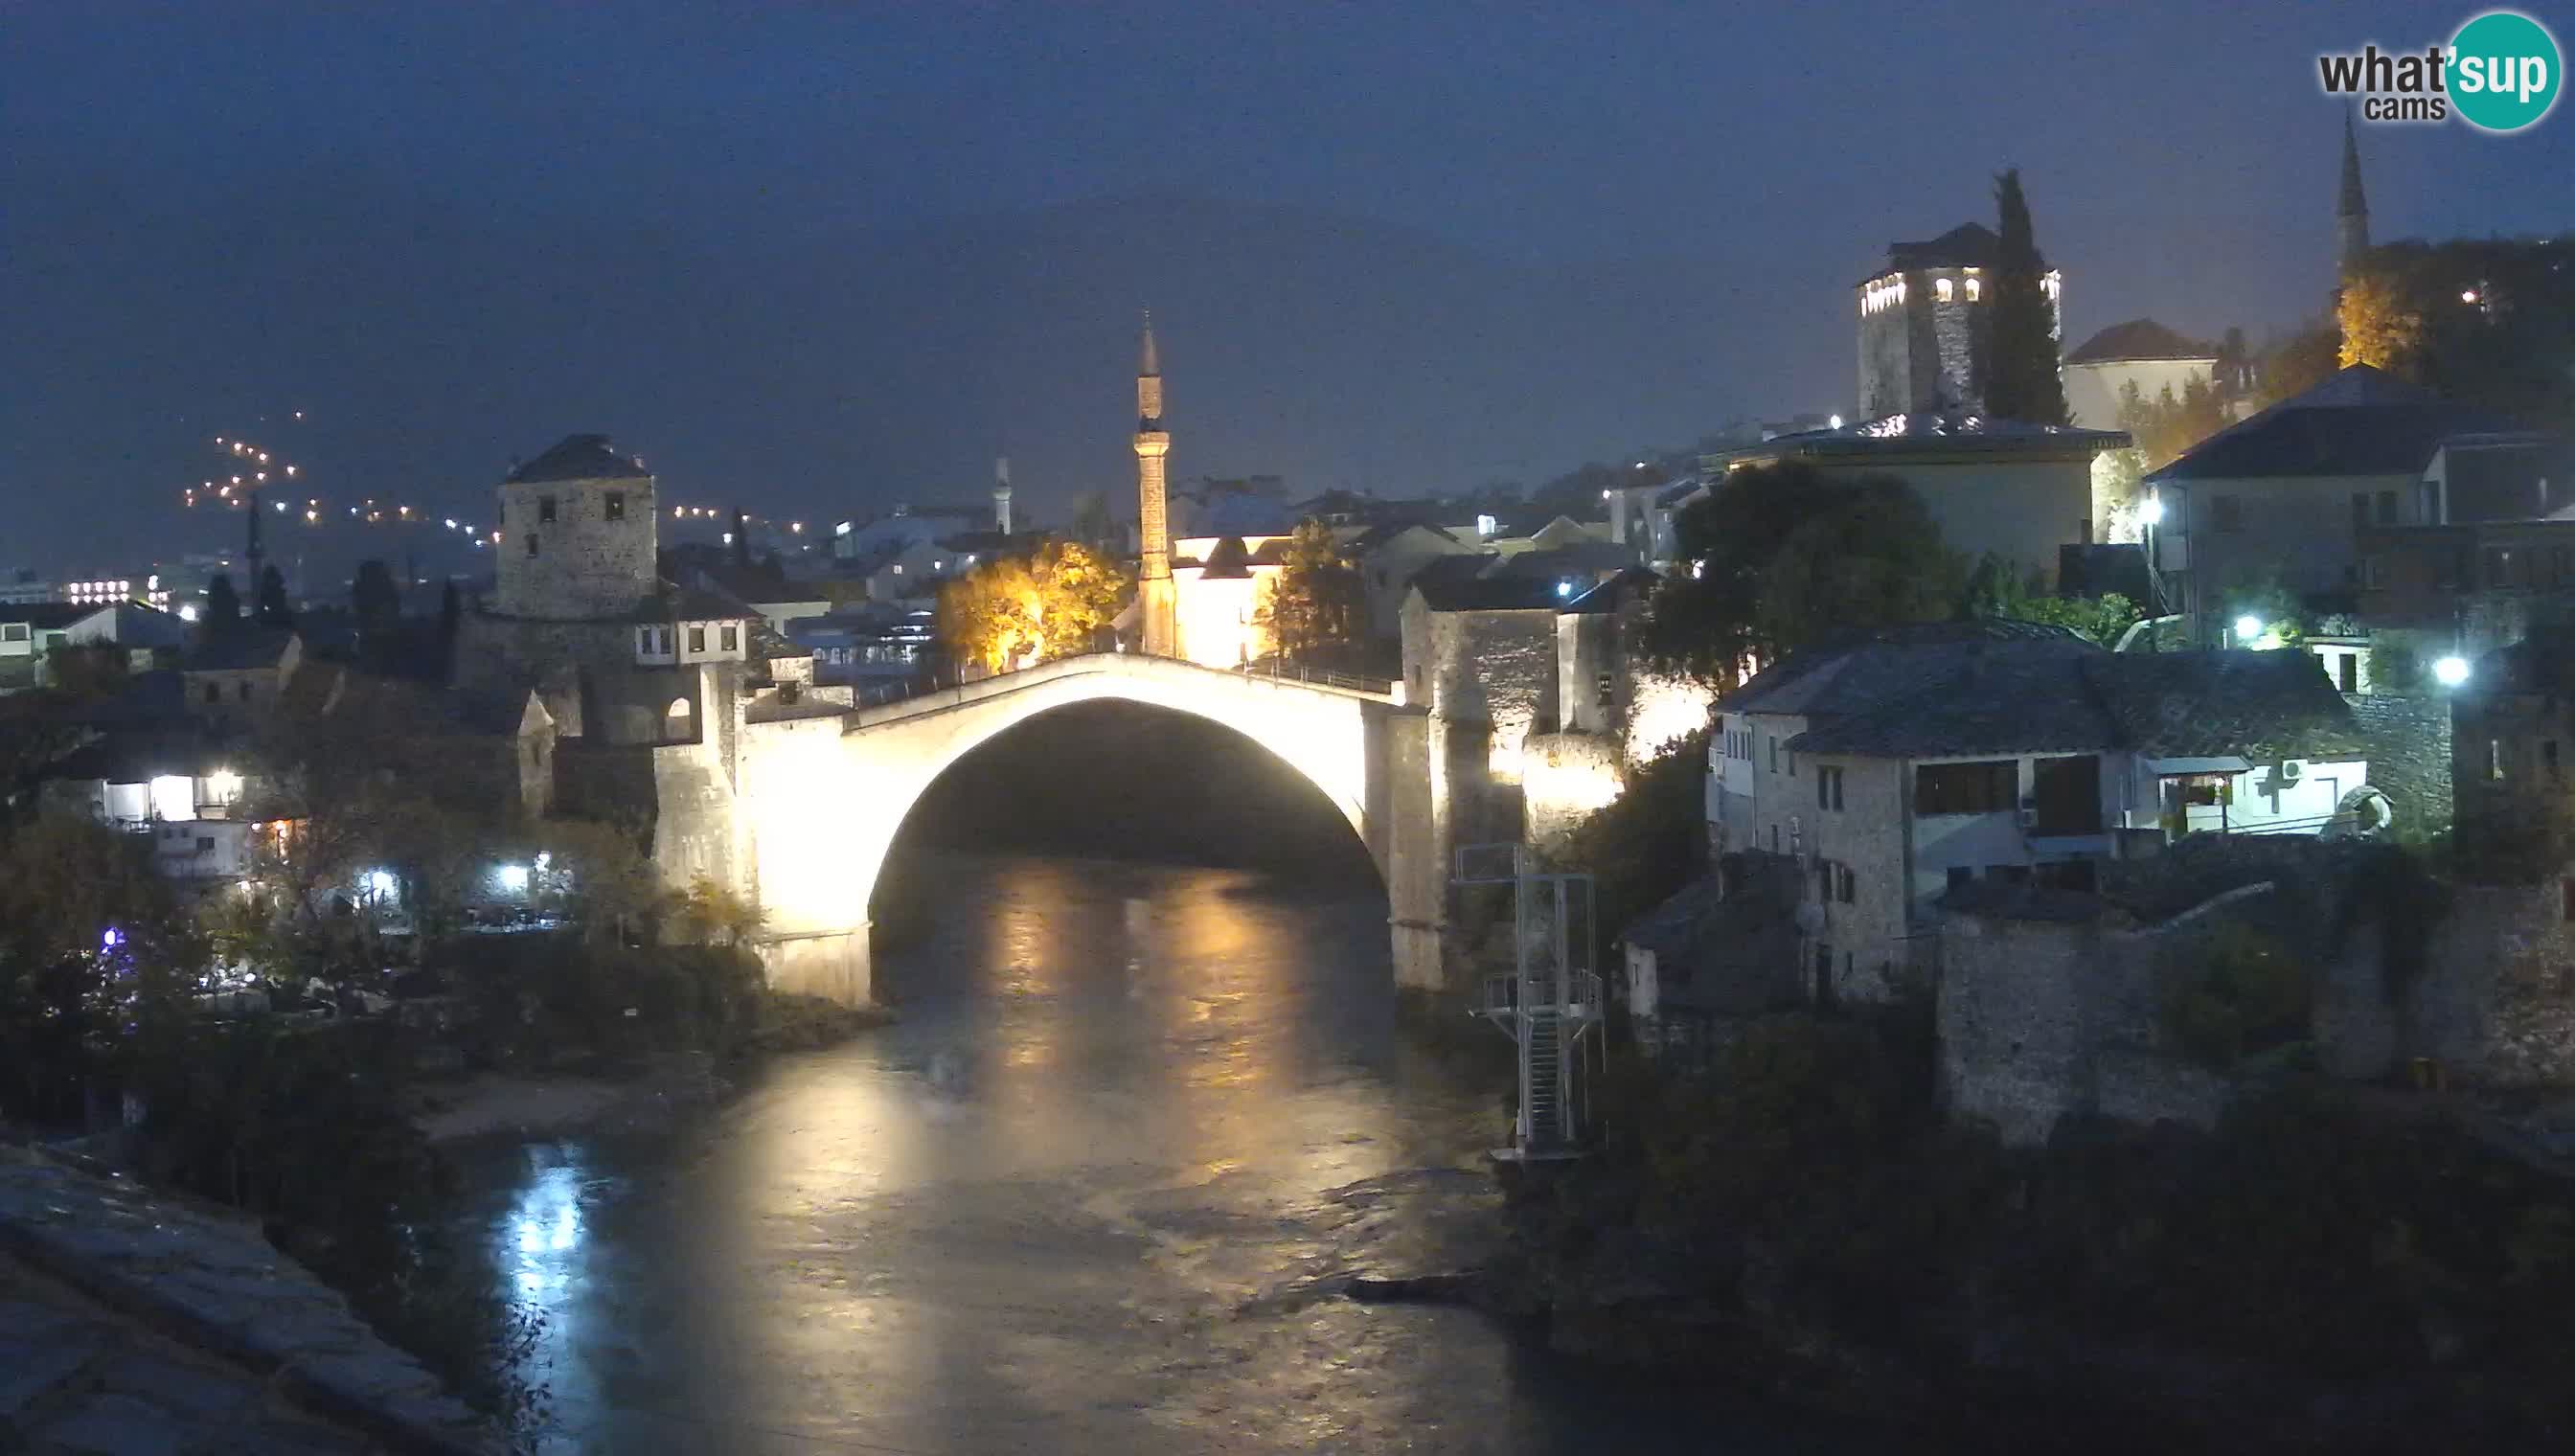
point(2504, 71)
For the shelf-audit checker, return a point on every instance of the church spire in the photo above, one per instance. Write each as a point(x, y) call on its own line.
point(2351, 207)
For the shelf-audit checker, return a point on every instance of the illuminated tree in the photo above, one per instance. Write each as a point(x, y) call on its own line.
point(1314, 605)
point(2382, 325)
point(1017, 612)
point(2297, 363)
point(92, 943)
point(2164, 427)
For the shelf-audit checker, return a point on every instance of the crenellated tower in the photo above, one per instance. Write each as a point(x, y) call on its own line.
point(1157, 602)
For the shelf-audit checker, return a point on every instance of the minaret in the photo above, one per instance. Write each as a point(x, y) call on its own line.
point(2351, 208)
point(1157, 602)
point(1002, 495)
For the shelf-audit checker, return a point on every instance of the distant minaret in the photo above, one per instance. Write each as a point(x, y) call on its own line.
point(2351, 208)
point(1155, 597)
point(1002, 495)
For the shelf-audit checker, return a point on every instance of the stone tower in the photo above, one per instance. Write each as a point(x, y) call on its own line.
point(2351, 206)
point(1155, 599)
point(1002, 495)
point(1921, 317)
point(578, 533)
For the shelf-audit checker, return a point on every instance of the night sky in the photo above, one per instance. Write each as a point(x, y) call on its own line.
point(815, 259)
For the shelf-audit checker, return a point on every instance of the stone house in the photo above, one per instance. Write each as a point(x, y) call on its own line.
point(237, 678)
point(1910, 762)
point(2512, 738)
point(1388, 556)
point(2139, 352)
point(1722, 949)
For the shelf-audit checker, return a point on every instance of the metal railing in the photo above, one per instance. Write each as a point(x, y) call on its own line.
point(1323, 676)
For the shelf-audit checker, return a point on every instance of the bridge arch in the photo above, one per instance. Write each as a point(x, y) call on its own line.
point(822, 796)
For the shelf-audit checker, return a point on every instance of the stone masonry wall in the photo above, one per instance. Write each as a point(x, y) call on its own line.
point(586, 565)
point(2408, 737)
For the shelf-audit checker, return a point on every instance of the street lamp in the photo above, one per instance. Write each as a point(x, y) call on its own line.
point(2451, 670)
point(2247, 628)
point(2151, 512)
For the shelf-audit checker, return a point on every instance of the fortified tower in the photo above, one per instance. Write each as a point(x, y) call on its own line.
point(2351, 206)
point(1155, 601)
point(576, 538)
point(1921, 317)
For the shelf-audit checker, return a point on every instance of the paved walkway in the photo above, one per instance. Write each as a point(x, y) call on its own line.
point(137, 1325)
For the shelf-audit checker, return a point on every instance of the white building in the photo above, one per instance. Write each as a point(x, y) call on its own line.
point(2139, 353)
point(1905, 763)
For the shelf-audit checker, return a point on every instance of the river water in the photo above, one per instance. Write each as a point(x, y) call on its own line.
point(1089, 1194)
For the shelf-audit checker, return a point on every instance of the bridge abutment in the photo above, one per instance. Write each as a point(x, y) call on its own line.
point(833, 964)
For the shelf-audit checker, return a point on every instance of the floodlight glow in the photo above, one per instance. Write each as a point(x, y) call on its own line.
point(2248, 627)
point(2450, 672)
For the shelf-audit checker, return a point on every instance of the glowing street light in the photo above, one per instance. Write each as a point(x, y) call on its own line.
point(2450, 672)
point(2151, 512)
point(513, 878)
point(2247, 628)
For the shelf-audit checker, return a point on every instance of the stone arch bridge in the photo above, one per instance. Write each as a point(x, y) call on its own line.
point(817, 793)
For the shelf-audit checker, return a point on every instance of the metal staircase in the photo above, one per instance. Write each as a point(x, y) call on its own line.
point(1550, 1006)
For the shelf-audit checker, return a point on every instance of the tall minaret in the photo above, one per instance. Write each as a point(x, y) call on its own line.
point(1157, 602)
point(2351, 208)
point(1002, 495)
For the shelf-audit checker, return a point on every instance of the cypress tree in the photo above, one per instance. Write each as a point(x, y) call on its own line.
point(273, 611)
point(2021, 378)
point(223, 605)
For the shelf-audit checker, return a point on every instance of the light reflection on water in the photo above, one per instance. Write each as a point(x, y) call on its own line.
point(1074, 1201)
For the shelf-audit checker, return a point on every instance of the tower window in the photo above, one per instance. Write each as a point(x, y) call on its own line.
point(697, 638)
point(531, 542)
point(545, 508)
point(614, 507)
point(1945, 288)
point(729, 637)
point(679, 709)
point(1975, 289)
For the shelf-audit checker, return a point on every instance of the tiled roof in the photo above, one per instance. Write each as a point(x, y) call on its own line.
point(2261, 706)
point(1458, 583)
point(2359, 422)
point(582, 457)
point(2542, 661)
point(1854, 671)
point(2138, 338)
point(1627, 585)
point(241, 648)
point(1968, 245)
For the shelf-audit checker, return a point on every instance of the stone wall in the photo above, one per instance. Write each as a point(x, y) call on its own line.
point(2408, 737)
point(2495, 1004)
point(584, 565)
point(1566, 779)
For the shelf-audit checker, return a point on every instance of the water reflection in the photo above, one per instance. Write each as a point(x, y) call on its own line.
point(1077, 1200)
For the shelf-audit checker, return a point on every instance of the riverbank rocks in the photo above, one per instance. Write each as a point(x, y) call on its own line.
point(134, 1322)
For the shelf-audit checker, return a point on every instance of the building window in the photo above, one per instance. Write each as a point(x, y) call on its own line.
point(644, 641)
point(1774, 753)
point(2387, 508)
point(697, 638)
point(2360, 510)
point(1845, 884)
point(1966, 789)
point(2347, 672)
point(1775, 838)
point(545, 510)
point(241, 690)
point(1976, 289)
point(1945, 289)
point(2548, 757)
point(531, 542)
point(679, 709)
point(730, 636)
point(214, 693)
point(2494, 759)
point(614, 506)
point(1829, 789)
point(13, 632)
point(2225, 513)
point(2498, 567)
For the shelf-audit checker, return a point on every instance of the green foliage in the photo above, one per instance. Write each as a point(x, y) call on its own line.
point(1766, 573)
point(2249, 992)
point(72, 1005)
point(2019, 363)
point(2394, 666)
point(1315, 609)
point(1644, 846)
point(1994, 590)
point(2164, 427)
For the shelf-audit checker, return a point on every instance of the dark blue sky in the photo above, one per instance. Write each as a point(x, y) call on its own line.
point(818, 258)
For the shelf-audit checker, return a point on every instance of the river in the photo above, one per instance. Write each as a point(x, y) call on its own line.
point(1089, 1194)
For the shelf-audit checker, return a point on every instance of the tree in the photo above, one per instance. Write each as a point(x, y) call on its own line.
point(2382, 325)
point(373, 599)
point(1778, 556)
point(1316, 605)
point(93, 944)
point(2164, 427)
point(223, 605)
point(1997, 591)
point(2020, 365)
point(1872, 559)
point(1016, 612)
point(273, 611)
point(2297, 361)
